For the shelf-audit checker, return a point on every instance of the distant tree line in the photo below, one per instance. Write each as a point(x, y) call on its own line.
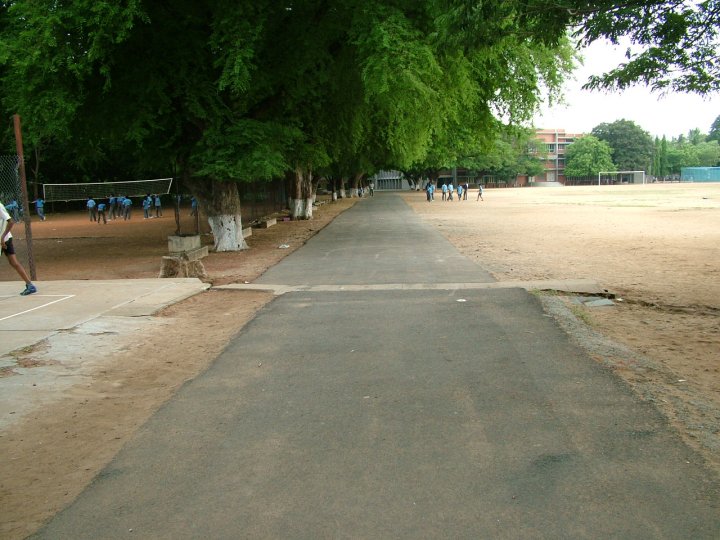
point(624, 146)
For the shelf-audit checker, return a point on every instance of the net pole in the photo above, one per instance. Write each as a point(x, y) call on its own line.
point(23, 187)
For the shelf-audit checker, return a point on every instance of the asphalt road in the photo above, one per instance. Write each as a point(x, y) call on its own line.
point(399, 414)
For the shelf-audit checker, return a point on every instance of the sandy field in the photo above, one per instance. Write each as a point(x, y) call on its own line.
point(656, 247)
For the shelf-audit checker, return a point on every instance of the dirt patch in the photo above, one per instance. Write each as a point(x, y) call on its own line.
point(51, 455)
point(656, 246)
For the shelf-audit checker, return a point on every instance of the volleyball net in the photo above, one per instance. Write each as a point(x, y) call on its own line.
point(100, 190)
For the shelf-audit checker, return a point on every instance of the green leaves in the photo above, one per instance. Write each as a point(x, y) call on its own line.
point(632, 146)
point(588, 156)
point(674, 44)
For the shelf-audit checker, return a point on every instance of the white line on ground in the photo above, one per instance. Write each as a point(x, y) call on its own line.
point(63, 297)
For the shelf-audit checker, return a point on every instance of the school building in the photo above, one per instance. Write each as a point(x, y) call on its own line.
point(556, 142)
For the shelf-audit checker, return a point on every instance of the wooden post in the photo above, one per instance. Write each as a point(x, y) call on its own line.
point(26, 202)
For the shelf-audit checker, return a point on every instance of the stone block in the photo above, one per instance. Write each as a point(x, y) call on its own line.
point(180, 244)
point(267, 223)
point(247, 231)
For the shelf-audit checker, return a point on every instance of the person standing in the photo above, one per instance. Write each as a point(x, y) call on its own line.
point(101, 213)
point(158, 206)
point(466, 187)
point(92, 209)
point(480, 193)
point(14, 209)
point(127, 208)
point(120, 203)
point(146, 206)
point(193, 206)
point(451, 190)
point(372, 189)
point(460, 192)
point(444, 191)
point(112, 202)
point(6, 224)
point(40, 208)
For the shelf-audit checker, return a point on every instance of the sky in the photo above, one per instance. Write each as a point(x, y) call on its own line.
point(669, 115)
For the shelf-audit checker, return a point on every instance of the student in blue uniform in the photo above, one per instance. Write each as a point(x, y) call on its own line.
point(147, 201)
point(158, 206)
point(40, 208)
point(92, 209)
point(127, 208)
point(101, 213)
point(112, 201)
point(13, 208)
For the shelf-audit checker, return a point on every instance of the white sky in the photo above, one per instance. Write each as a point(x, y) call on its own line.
point(669, 115)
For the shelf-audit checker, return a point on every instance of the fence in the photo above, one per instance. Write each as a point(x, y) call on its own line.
point(700, 174)
point(10, 182)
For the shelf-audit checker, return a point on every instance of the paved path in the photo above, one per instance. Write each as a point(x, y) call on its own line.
point(398, 413)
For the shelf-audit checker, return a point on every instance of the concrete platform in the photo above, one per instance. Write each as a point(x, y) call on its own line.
point(60, 305)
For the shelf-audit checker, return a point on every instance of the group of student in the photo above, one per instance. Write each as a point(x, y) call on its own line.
point(448, 191)
point(16, 211)
point(121, 206)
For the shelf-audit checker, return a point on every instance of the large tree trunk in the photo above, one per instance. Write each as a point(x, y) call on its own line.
point(301, 194)
point(341, 187)
point(221, 202)
point(356, 182)
point(333, 183)
point(314, 184)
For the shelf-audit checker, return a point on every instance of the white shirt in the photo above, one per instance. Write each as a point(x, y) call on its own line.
point(5, 217)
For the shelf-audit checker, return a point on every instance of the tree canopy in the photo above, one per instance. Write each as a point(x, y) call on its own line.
point(588, 156)
point(632, 146)
point(714, 134)
point(673, 44)
point(247, 90)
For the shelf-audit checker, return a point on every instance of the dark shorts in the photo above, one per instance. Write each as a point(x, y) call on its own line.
point(8, 249)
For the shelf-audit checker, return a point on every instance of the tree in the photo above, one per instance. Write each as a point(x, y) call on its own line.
point(632, 147)
point(714, 134)
point(673, 44)
point(255, 89)
point(588, 156)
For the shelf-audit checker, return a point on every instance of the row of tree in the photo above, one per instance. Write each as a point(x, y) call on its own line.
point(226, 91)
point(624, 146)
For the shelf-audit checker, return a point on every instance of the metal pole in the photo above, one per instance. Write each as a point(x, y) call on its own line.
point(26, 202)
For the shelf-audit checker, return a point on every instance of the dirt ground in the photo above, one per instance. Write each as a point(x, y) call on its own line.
point(656, 247)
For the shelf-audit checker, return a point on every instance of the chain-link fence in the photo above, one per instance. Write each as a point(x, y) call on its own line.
point(10, 191)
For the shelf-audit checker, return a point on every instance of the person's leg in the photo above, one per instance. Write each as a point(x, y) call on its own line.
point(13, 260)
point(9, 252)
